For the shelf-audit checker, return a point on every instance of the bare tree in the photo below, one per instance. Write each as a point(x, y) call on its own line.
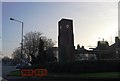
point(31, 43)
point(16, 56)
point(35, 44)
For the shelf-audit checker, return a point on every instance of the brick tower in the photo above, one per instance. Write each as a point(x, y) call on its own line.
point(65, 40)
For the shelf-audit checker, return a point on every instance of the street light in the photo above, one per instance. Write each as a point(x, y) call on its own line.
point(21, 37)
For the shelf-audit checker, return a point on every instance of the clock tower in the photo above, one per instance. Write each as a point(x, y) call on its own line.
point(66, 40)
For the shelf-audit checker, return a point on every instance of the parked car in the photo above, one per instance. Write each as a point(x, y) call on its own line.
point(18, 66)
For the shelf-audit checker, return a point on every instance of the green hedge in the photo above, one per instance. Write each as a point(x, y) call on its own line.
point(84, 66)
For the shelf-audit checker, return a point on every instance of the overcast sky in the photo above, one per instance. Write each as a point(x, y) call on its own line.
point(92, 20)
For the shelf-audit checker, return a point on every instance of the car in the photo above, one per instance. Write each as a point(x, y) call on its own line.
point(18, 66)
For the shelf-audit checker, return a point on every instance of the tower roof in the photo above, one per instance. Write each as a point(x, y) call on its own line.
point(63, 19)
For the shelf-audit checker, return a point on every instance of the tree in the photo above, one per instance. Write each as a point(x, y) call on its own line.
point(6, 60)
point(35, 46)
point(16, 56)
point(31, 44)
point(41, 53)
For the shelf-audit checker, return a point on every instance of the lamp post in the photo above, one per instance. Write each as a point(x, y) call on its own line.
point(21, 37)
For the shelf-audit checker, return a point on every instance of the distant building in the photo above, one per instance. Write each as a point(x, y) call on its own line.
point(104, 51)
point(66, 51)
point(115, 48)
point(83, 54)
point(66, 40)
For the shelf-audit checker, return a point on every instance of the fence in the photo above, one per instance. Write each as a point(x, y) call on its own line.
point(36, 72)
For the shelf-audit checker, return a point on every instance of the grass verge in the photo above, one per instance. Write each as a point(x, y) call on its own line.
point(14, 73)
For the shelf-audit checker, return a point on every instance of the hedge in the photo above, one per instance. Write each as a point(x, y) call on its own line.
point(84, 66)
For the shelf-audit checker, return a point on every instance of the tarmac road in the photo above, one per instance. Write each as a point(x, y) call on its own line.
point(59, 79)
point(63, 80)
point(7, 69)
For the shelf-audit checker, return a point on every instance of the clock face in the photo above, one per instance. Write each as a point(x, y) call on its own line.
point(67, 26)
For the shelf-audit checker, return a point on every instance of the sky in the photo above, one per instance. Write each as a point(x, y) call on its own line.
point(92, 21)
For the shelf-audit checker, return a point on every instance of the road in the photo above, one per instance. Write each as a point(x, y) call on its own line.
point(7, 69)
point(44, 79)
